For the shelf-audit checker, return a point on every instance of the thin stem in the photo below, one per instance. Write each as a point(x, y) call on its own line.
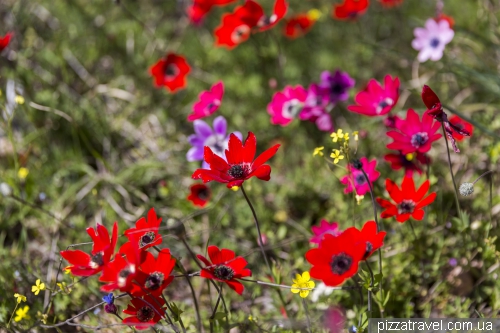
point(171, 310)
point(490, 205)
point(11, 139)
point(8, 324)
point(451, 170)
point(304, 303)
point(215, 310)
point(413, 229)
point(484, 174)
point(289, 287)
point(372, 280)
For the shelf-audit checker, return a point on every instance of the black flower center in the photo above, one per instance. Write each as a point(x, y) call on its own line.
point(145, 314)
point(406, 207)
point(154, 280)
point(124, 273)
point(369, 248)
point(419, 139)
point(171, 70)
point(384, 103)
point(203, 193)
point(238, 171)
point(434, 42)
point(336, 88)
point(223, 272)
point(146, 239)
point(360, 179)
point(97, 260)
point(341, 263)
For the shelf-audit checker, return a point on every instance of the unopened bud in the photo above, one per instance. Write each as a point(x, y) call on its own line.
point(466, 189)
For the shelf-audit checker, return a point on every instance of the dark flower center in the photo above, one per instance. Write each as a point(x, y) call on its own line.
point(146, 239)
point(336, 88)
point(384, 103)
point(223, 272)
point(419, 139)
point(203, 193)
point(434, 42)
point(238, 171)
point(97, 260)
point(406, 207)
point(146, 313)
point(124, 273)
point(154, 280)
point(292, 108)
point(369, 248)
point(210, 106)
point(218, 147)
point(239, 33)
point(340, 263)
point(171, 71)
point(360, 179)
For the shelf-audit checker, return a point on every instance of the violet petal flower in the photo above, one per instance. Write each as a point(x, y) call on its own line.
point(337, 84)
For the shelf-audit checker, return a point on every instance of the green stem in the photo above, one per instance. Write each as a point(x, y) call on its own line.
point(8, 324)
point(307, 315)
point(451, 170)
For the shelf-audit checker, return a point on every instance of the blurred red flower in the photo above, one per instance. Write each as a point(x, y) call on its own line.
point(240, 164)
point(350, 9)
point(200, 194)
point(407, 201)
point(197, 11)
point(279, 11)
point(5, 40)
point(145, 232)
point(171, 72)
point(83, 264)
point(461, 124)
point(410, 162)
point(298, 26)
point(450, 19)
point(145, 312)
point(224, 266)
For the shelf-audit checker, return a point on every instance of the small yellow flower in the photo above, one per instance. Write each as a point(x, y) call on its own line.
point(280, 216)
point(22, 314)
point(302, 284)
point(337, 136)
point(314, 14)
point(359, 198)
point(336, 156)
point(37, 287)
point(318, 151)
point(43, 317)
point(64, 288)
point(356, 135)
point(23, 173)
point(19, 99)
point(346, 137)
point(409, 157)
point(19, 298)
point(235, 188)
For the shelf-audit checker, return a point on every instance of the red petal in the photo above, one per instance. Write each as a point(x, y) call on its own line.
point(429, 97)
point(76, 257)
point(263, 172)
point(393, 190)
point(249, 148)
point(236, 286)
point(234, 153)
point(265, 156)
point(427, 201)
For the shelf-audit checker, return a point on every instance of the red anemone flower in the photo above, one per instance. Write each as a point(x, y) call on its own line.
point(240, 164)
point(83, 264)
point(408, 201)
point(461, 124)
point(410, 162)
point(200, 194)
point(146, 232)
point(279, 11)
point(368, 237)
point(390, 3)
point(336, 259)
point(224, 266)
point(350, 9)
point(171, 72)
point(435, 109)
point(5, 40)
point(197, 11)
point(375, 100)
point(154, 274)
point(120, 272)
point(145, 312)
point(414, 135)
point(298, 26)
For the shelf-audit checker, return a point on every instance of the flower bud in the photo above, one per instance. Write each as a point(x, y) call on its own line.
point(110, 308)
point(466, 189)
point(356, 164)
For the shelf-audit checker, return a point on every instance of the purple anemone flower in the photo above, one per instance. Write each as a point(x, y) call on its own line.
point(215, 138)
point(316, 107)
point(337, 84)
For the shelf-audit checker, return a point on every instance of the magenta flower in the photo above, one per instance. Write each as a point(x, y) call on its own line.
point(316, 108)
point(337, 85)
point(286, 105)
point(208, 102)
point(324, 229)
point(375, 100)
point(416, 135)
point(356, 177)
point(215, 139)
point(431, 40)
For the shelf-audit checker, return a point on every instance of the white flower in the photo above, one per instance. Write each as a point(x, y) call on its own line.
point(321, 289)
point(430, 41)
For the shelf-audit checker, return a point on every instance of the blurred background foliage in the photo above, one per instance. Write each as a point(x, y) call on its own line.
point(101, 144)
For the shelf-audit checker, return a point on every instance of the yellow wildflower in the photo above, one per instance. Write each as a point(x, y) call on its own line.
point(38, 287)
point(314, 14)
point(302, 284)
point(19, 99)
point(337, 136)
point(67, 270)
point(336, 156)
point(359, 198)
point(346, 137)
point(318, 151)
point(356, 135)
point(64, 288)
point(22, 314)
point(23, 173)
point(42, 316)
point(19, 298)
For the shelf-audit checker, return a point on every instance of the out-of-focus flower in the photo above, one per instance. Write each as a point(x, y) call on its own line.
point(200, 194)
point(22, 313)
point(110, 306)
point(415, 135)
point(208, 102)
point(5, 40)
point(431, 40)
point(200, 8)
point(315, 108)
point(407, 201)
point(375, 100)
point(336, 155)
point(339, 135)
point(144, 312)
point(216, 139)
point(324, 228)
point(334, 319)
point(171, 72)
point(410, 162)
point(224, 266)
point(302, 284)
point(19, 99)
point(22, 173)
point(356, 179)
point(447, 18)
point(298, 25)
point(19, 298)
point(279, 11)
point(466, 189)
point(368, 237)
point(350, 9)
point(359, 198)
point(286, 105)
point(461, 124)
point(240, 165)
point(318, 151)
point(39, 286)
point(319, 290)
point(337, 85)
